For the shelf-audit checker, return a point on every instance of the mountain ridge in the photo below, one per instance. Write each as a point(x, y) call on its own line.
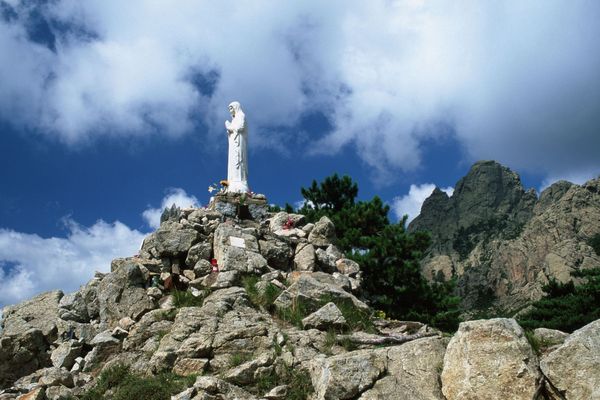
point(501, 242)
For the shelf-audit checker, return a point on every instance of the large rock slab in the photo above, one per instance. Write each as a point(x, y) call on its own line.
point(323, 234)
point(277, 253)
point(574, 368)
point(490, 359)
point(199, 251)
point(28, 329)
point(40, 312)
point(347, 375)
point(304, 259)
point(325, 317)
point(171, 239)
point(311, 288)
point(237, 249)
point(66, 353)
point(122, 293)
point(413, 372)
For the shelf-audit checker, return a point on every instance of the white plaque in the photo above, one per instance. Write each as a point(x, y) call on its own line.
point(237, 242)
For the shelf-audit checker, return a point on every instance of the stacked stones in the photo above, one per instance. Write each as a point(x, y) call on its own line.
point(179, 253)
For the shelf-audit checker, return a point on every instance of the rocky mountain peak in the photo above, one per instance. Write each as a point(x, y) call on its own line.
point(501, 243)
point(489, 197)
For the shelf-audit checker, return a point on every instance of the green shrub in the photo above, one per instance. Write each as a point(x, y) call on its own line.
point(159, 387)
point(126, 386)
point(356, 318)
point(330, 340)
point(566, 307)
point(264, 298)
point(267, 381)
point(236, 359)
point(299, 385)
point(595, 243)
point(389, 256)
point(184, 298)
point(295, 313)
point(533, 341)
point(298, 382)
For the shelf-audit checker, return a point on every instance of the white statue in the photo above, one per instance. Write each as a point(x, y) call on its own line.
point(237, 162)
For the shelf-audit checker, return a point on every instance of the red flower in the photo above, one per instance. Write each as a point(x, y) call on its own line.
point(289, 224)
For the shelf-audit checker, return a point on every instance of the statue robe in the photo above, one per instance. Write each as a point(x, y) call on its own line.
point(237, 162)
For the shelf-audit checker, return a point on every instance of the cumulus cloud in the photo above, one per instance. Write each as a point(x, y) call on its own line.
point(30, 264)
point(410, 204)
point(175, 196)
point(514, 81)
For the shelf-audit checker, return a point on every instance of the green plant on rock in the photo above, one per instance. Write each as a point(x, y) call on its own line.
point(267, 381)
point(295, 313)
point(594, 242)
point(299, 385)
point(260, 298)
point(533, 341)
point(118, 383)
point(356, 318)
point(184, 298)
point(239, 358)
point(330, 340)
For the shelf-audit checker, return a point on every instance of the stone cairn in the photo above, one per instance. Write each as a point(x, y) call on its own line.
point(244, 272)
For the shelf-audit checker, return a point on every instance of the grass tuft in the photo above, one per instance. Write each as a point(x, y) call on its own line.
point(260, 298)
point(183, 298)
point(239, 358)
point(123, 385)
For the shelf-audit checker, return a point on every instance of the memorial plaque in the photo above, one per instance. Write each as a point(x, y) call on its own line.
point(237, 242)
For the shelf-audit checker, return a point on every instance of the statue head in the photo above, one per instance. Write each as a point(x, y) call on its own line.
point(234, 107)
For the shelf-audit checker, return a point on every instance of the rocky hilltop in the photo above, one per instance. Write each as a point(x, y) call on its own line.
point(217, 307)
point(501, 242)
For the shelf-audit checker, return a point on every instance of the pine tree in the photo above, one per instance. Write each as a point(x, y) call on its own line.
point(389, 256)
point(567, 306)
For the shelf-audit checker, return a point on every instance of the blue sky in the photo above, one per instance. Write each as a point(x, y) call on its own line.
point(110, 110)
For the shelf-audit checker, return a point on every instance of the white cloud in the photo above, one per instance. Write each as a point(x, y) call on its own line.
point(517, 80)
point(32, 264)
point(175, 196)
point(410, 204)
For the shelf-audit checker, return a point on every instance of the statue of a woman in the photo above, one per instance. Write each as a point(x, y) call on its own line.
point(237, 162)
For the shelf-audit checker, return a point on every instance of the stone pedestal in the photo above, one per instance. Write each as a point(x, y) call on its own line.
point(240, 205)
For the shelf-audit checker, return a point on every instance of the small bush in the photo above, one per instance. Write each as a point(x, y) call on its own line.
point(567, 306)
point(126, 386)
point(183, 298)
point(159, 387)
point(348, 344)
point(595, 243)
point(298, 382)
point(295, 313)
point(330, 340)
point(264, 298)
point(533, 341)
point(239, 358)
point(267, 381)
point(356, 319)
point(300, 385)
